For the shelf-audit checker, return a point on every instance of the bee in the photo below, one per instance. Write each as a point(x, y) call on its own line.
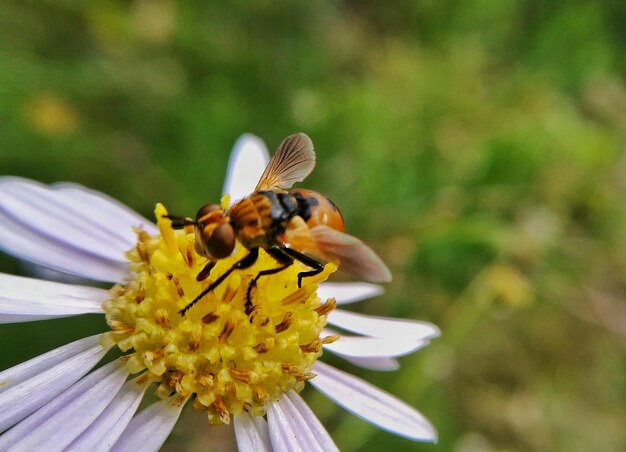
point(290, 225)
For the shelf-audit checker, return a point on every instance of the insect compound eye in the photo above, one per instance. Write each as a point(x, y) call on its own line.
point(222, 241)
point(206, 209)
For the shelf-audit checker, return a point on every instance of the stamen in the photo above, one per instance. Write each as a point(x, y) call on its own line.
point(210, 318)
point(229, 327)
point(327, 307)
point(140, 294)
point(179, 290)
point(241, 375)
point(162, 318)
point(194, 344)
point(206, 380)
point(175, 379)
point(142, 250)
point(282, 326)
point(313, 347)
point(221, 410)
point(290, 368)
point(305, 377)
point(330, 339)
point(260, 394)
point(264, 346)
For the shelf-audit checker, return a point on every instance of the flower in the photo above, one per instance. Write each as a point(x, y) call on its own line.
point(246, 365)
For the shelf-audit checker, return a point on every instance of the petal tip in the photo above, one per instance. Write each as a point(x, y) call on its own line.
point(247, 161)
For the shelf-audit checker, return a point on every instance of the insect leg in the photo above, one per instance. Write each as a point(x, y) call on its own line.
point(248, 260)
point(282, 258)
point(306, 260)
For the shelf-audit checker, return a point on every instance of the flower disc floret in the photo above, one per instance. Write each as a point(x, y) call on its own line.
point(228, 360)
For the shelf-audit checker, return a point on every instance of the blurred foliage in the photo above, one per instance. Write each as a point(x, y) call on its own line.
point(477, 145)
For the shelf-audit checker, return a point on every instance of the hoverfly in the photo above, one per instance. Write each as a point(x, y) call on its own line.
point(299, 224)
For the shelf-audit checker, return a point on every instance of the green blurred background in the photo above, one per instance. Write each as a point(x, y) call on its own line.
point(478, 146)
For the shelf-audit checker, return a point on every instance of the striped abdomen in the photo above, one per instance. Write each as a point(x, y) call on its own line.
point(261, 217)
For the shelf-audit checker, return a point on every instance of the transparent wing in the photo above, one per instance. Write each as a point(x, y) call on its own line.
point(293, 162)
point(350, 253)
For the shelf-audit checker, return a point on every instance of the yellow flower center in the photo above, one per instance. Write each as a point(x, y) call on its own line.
point(227, 360)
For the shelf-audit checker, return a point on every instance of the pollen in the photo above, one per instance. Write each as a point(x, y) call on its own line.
point(225, 355)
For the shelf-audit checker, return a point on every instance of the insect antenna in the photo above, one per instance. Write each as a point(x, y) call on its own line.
point(180, 222)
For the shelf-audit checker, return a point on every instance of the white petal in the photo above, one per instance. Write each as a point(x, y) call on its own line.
point(103, 433)
point(294, 428)
point(25, 299)
point(119, 218)
point(372, 347)
point(28, 243)
point(62, 420)
point(383, 327)
point(84, 234)
point(40, 272)
point(383, 364)
point(323, 438)
point(359, 356)
point(17, 374)
point(345, 293)
point(54, 212)
point(148, 430)
point(372, 404)
point(247, 162)
point(33, 384)
point(252, 433)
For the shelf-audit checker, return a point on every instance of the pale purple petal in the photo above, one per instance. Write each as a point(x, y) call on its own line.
point(119, 218)
point(321, 435)
point(26, 299)
point(252, 433)
point(17, 374)
point(28, 243)
point(383, 327)
point(372, 404)
point(294, 427)
point(67, 227)
point(382, 363)
point(104, 432)
point(58, 423)
point(345, 293)
point(55, 212)
point(30, 385)
point(149, 429)
point(361, 356)
point(247, 162)
point(39, 271)
point(372, 347)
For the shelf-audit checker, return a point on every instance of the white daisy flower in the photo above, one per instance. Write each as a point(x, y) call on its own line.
point(234, 366)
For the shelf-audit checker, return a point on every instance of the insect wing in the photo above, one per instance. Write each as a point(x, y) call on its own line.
point(293, 162)
point(350, 253)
